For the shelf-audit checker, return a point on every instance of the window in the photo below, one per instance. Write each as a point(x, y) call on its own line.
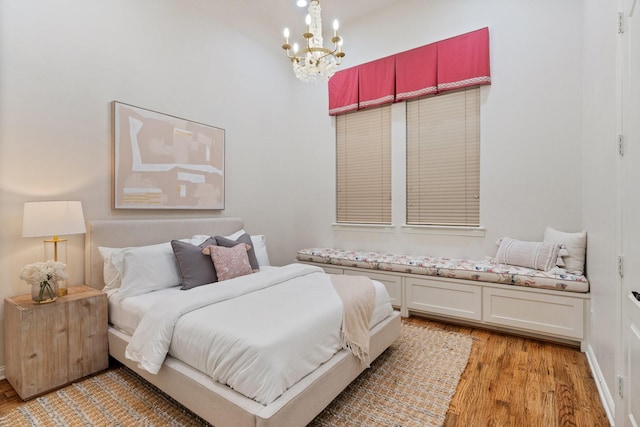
point(363, 166)
point(443, 159)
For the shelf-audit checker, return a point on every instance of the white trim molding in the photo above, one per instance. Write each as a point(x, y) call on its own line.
point(445, 230)
point(607, 399)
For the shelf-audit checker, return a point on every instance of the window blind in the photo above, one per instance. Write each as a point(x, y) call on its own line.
point(443, 159)
point(363, 156)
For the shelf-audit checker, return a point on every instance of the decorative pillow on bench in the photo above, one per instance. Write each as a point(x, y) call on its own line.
point(576, 245)
point(538, 255)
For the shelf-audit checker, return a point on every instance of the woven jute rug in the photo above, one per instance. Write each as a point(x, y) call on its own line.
point(410, 384)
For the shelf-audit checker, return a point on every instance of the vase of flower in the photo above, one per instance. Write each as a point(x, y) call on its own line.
point(43, 278)
point(44, 292)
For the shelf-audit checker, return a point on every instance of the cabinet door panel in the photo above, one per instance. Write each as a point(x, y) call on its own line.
point(446, 298)
point(546, 314)
point(88, 347)
point(44, 354)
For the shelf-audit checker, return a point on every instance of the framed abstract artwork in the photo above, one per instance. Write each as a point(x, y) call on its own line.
point(165, 162)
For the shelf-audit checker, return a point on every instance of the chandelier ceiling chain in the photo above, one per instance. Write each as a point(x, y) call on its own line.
point(315, 62)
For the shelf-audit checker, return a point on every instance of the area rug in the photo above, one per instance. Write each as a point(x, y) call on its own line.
point(410, 384)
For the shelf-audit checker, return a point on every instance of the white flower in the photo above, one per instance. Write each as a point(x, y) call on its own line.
point(42, 272)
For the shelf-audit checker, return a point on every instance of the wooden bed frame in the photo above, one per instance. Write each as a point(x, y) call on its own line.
point(211, 400)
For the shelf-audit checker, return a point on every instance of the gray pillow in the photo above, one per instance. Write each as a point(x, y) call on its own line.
point(245, 238)
point(196, 269)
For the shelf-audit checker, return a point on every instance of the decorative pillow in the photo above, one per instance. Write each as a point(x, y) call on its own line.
point(537, 255)
point(259, 243)
point(244, 238)
point(146, 268)
point(576, 245)
point(196, 269)
point(230, 262)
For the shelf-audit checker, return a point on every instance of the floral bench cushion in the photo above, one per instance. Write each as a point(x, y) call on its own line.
point(483, 271)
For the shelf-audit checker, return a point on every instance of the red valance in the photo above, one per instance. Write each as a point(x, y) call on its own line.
point(343, 91)
point(464, 60)
point(445, 65)
point(416, 72)
point(376, 82)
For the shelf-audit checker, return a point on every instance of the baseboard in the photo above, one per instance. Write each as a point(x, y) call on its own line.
point(2, 377)
point(607, 399)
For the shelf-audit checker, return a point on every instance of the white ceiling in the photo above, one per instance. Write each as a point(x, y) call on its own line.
point(264, 20)
point(286, 13)
point(275, 15)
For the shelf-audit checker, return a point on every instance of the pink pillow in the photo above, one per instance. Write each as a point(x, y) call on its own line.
point(230, 262)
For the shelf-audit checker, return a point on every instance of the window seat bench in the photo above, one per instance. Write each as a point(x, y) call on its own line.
point(476, 292)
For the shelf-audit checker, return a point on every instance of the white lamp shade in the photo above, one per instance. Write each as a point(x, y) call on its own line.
point(52, 218)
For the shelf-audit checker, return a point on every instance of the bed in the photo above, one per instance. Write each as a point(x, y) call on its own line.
point(215, 402)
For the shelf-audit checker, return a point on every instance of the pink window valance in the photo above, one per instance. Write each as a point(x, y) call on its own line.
point(343, 91)
point(445, 65)
point(417, 72)
point(376, 81)
point(464, 60)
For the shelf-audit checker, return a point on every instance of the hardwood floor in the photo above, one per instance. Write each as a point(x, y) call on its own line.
point(514, 381)
point(509, 381)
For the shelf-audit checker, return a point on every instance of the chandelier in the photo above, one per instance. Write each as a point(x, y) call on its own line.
point(315, 62)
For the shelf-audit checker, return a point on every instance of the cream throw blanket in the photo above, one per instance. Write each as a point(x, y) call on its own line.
point(358, 298)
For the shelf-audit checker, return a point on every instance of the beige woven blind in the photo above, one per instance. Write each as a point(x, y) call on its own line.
point(363, 152)
point(443, 159)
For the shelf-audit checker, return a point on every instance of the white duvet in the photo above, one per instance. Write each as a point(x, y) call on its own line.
point(259, 334)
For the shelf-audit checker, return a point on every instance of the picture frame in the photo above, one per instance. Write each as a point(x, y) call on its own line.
point(166, 162)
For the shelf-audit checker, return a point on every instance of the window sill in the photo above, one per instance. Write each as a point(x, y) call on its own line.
point(370, 228)
point(412, 229)
point(445, 230)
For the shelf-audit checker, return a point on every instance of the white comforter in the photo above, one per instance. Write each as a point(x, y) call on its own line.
point(259, 334)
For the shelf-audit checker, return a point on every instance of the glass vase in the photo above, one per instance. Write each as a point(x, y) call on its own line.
point(44, 292)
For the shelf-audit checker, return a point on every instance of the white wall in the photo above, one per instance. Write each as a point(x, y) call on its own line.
point(63, 63)
point(530, 117)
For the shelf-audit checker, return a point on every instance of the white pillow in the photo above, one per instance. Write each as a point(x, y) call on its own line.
point(259, 243)
point(538, 255)
point(575, 243)
point(110, 273)
point(235, 235)
point(146, 268)
point(260, 247)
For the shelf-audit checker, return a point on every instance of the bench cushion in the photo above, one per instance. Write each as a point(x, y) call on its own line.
point(454, 268)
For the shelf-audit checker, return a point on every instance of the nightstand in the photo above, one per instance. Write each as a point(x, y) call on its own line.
point(50, 345)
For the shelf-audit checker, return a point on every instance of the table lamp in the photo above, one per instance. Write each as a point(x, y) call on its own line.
point(53, 218)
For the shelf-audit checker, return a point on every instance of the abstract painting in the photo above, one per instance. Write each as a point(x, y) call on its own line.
point(165, 162)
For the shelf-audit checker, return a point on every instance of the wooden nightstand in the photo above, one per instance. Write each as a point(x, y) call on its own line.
point(50, 345)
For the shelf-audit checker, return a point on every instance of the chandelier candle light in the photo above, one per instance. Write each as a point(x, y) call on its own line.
point(315, 62)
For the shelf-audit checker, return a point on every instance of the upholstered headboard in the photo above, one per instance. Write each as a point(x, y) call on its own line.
point(140, 232)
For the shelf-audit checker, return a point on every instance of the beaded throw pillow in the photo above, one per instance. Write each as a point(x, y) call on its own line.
point(229, 262)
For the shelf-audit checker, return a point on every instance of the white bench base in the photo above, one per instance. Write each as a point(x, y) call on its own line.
point(550, 315)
